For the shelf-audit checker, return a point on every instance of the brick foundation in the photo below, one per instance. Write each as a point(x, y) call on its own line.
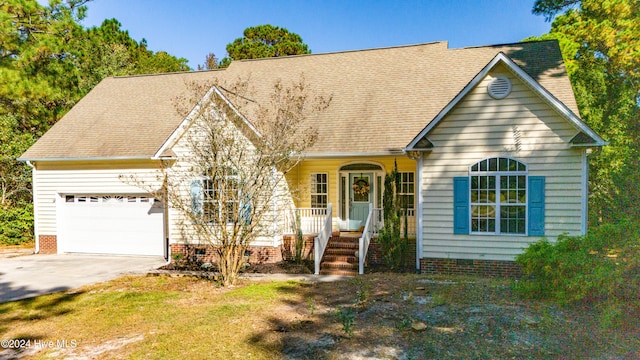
point(490, 268)
point(48, 244)
point(374, 255)
point(289, 247)
point(204, 253)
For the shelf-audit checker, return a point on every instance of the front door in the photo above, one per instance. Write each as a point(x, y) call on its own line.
point(360, 196)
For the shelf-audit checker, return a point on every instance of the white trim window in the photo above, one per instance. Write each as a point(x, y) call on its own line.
point(319, 190)
point(217, 199)
point(221, 200)
point(407, 190)
point(498, 196)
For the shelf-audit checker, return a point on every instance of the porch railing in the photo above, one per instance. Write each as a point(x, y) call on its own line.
point(311, 220)
point(378, 219)
point(320, 242)
point(411, 221)
point(365, 239)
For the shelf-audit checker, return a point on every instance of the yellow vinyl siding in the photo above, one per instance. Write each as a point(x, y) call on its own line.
point(53, 179)
point(522, 126)
point(300, 177)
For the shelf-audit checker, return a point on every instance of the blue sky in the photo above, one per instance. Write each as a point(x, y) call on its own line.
point(194, 28)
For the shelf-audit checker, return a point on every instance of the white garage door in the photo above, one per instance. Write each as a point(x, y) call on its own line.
point(111, 224)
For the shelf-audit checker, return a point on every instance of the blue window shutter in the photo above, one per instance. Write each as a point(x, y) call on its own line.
point(245, 212)
point(197, 196)
point(536, 205)
point(461, 205)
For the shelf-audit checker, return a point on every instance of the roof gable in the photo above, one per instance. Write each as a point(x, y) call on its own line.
point(240, 121)
point(588, 137)
point(122, 117)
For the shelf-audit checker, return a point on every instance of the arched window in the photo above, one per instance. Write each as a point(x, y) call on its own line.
point(498, 196)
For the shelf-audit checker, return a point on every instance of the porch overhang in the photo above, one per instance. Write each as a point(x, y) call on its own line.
point(353, 154)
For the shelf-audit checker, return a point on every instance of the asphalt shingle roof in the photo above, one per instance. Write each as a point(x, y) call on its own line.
point(381, 98)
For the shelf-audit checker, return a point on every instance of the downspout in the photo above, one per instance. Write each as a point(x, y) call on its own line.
point(165, 211)
point(585, 191)
point(419, 235)
point(274, 205)
point(35, 205)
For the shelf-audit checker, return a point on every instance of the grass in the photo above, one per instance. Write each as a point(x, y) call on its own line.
point(25, 245)
point(168, 318)
point(173, 317)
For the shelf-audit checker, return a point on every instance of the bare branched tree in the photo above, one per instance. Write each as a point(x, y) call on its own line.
point(228, 183)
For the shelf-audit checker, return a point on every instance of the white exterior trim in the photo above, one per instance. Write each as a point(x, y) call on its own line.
point(184, 125)
point(274, 209)
point(61, 216)
point(374, 189)
point(560, 107)
point(103, 158)
point(418, 189)
point(585, 191)
point(35, 205)
point(354, 154)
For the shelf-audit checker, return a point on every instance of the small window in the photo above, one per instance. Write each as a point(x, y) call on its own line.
point(131, 198)
point(407, 190)
point(201, 253)
point(69, 198)
point(361, 188)
point(343, 197)
point(94, 199)
point(379, 190)
point(319, 190)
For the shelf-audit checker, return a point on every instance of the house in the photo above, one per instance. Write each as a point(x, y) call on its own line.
point(490, 148)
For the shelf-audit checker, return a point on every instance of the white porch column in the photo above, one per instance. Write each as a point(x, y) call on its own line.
point(419, 164)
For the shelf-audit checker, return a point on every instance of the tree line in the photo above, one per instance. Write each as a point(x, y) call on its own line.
point(600, 42)
point(48, 61)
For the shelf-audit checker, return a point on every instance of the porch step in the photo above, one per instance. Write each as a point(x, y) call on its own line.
point(342, 244)
point(341, 251)
point(336, 258)
point(340, 257)
point(339, 272)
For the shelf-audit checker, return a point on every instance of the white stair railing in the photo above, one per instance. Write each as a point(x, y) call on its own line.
point(320, 242)
point(365, 239)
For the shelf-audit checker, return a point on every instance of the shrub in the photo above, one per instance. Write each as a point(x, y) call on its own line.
point(393, 245)
point(602, 267)
point(347, 317)
point(16, 225)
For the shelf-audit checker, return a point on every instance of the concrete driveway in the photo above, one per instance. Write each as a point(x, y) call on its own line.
point(33, 275)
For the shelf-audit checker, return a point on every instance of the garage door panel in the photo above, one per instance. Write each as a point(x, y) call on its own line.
point(130, 225)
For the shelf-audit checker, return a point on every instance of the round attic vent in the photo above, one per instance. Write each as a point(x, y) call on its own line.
point(499, 88)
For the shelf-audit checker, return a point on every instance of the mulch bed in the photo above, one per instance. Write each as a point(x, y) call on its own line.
point(283, 267)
